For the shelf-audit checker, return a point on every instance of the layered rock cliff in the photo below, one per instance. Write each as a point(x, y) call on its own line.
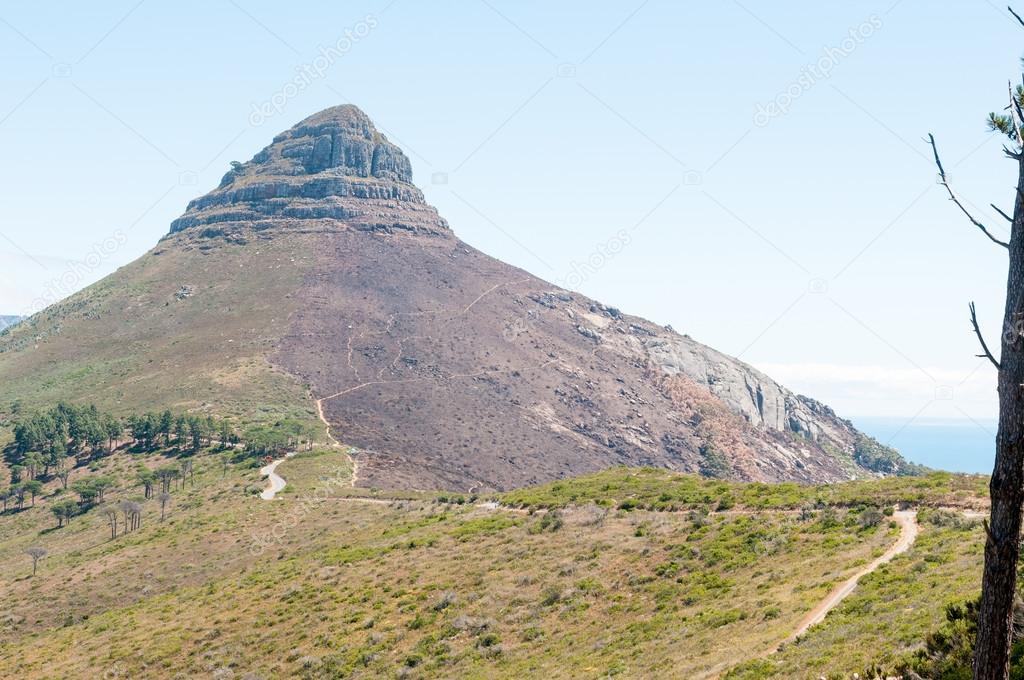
point(333, 165)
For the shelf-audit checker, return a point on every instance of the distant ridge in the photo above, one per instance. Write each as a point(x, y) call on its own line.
point(7, 321)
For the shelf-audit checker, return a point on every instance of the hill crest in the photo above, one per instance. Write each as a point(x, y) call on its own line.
point(333, 165)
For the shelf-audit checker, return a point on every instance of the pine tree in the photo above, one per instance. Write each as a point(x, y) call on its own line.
point(1006, 487)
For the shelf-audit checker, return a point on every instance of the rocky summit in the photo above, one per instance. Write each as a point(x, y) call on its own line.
point(319, 282)
point(333, 165)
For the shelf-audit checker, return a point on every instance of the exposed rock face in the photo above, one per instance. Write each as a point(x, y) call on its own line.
point(760, 400)
point(450, 369)
point(333, 165)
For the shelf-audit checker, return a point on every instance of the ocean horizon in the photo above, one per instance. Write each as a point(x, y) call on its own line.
point(952, 444)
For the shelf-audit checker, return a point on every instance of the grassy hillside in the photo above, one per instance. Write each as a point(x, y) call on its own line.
point(148, 338)
point(324, 584)
point(655, 489)
point(880, 623)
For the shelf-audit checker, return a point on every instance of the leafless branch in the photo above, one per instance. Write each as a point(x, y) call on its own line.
point(1016, 16)
point(996, 208)
point(952, 195)
point(981, 339)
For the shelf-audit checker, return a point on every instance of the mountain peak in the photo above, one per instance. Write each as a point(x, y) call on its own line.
point(341, 140)
point(333, 165)
point(444, 368)
point(345, 115)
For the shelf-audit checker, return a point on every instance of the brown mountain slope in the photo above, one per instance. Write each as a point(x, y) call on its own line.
point(318, 265)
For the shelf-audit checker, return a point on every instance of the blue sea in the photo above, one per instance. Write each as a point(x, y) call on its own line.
point(954, 445)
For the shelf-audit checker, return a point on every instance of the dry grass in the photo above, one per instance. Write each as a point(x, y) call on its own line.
point(129, 344)
point(339, 587)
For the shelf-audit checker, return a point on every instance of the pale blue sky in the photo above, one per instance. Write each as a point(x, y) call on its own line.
point(816, 246)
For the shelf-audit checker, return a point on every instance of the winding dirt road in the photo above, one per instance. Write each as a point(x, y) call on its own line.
point(275, 483)
point(334, 442)
point(907, 519)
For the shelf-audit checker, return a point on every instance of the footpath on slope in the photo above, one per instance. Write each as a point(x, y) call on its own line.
point(276, 483)
point(907, 519)
point(909, 529)
point(334, 442)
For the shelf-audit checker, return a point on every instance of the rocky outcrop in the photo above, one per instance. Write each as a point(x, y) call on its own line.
point(760, 400)
point(341, 139)
point(333, 166)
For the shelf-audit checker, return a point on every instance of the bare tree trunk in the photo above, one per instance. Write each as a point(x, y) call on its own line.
point(1002, 547)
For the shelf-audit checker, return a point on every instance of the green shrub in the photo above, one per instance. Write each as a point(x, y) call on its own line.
point(549, 521)
point(488, 640)
point(550, 595)
point(870, 517)
point(531, 634)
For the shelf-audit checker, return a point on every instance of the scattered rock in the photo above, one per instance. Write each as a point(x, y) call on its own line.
point(473, 624)
point(327, 573)
point(11, 619)
point(544, 299)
